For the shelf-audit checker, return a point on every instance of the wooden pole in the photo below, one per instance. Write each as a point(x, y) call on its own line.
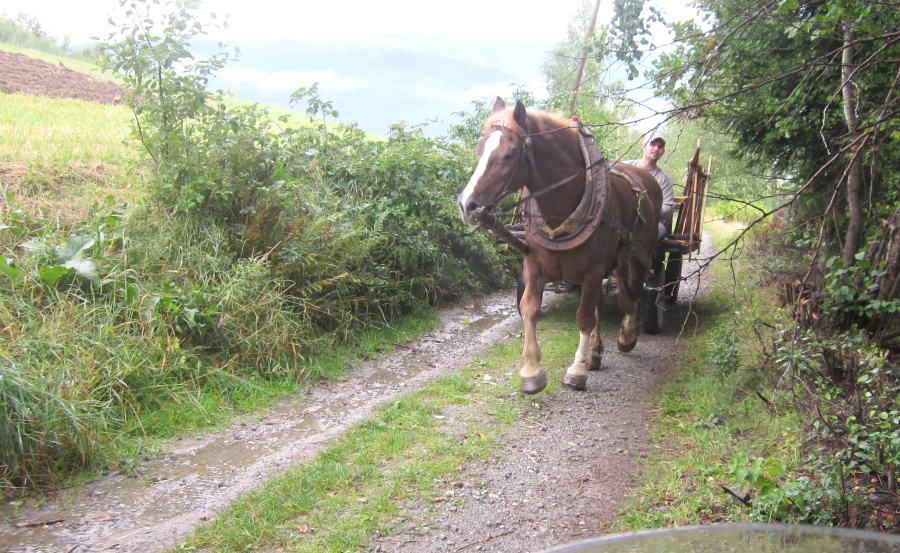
point(705, 193)
point(487, 220)
point(584, 54)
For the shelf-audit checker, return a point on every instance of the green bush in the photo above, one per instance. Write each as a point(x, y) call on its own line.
point(258, 250)
point(852, 396)
point(367, 228)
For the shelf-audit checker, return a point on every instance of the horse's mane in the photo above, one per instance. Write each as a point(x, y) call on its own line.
point(543, 121)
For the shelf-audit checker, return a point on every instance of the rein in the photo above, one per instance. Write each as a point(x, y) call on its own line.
point(557, 184)
point(526, 146)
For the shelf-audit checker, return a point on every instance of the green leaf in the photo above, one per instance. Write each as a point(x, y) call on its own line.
point(13, 274)
point(52, 275)
point(73, 248)
point(84, 268)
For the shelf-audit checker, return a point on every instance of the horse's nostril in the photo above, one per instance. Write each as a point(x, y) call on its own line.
point(471, 206)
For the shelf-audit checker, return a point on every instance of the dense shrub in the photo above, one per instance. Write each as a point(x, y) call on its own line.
point(368, 229)
point(258, 250)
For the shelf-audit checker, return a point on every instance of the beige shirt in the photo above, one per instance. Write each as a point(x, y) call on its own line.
point(665, 184)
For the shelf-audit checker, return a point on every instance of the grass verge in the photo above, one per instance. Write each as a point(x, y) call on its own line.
point(716, 438)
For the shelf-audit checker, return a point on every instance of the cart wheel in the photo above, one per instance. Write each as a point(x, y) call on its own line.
point(653, 295)
point(673, 277)
point(653, 311)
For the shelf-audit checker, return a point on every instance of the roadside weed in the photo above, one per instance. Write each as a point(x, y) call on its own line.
point(719, 445)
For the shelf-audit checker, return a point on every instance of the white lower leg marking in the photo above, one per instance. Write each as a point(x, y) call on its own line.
point(582, 356)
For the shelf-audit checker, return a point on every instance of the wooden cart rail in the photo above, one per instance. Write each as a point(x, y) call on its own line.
point(691, 208)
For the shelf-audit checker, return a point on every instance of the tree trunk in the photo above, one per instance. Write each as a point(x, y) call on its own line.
point(854, 170)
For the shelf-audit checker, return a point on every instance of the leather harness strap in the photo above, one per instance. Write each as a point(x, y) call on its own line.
point(591, 211)
point(627, 238)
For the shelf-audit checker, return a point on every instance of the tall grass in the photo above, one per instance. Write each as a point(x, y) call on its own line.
point(59, 377)
point(175, 339)
point(54, 430)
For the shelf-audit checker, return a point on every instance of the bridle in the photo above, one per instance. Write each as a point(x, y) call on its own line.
point(524, 157)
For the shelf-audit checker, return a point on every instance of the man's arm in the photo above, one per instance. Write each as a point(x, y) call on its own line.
point(668, 195)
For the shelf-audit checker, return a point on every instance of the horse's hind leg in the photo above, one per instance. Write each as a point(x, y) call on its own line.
point(630, 287)
point(596, 340)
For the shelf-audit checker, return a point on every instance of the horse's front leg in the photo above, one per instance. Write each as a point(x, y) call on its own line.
point(533, 376)
point(589, 341)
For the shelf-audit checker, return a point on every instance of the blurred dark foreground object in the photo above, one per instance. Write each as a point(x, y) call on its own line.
point(740, 538)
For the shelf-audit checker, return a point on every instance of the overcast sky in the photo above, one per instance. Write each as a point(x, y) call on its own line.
point(536, 21)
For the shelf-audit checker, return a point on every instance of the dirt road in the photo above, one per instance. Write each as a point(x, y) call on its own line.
point(564, 477)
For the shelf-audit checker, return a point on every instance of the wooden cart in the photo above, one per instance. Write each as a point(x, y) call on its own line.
point(687, 232)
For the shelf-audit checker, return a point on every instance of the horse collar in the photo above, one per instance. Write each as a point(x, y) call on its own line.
point(581, 224)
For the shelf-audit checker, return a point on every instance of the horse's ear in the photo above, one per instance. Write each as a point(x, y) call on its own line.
point(519, 115)
point(499, 105)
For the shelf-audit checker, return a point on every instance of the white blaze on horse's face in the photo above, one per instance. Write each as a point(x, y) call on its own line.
point(490, 145)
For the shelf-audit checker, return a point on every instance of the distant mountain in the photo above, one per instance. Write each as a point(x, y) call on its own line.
point(377, 82)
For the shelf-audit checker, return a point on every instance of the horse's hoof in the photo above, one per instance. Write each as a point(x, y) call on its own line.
point(578, 383)
point(625, 348)
point(535, 384)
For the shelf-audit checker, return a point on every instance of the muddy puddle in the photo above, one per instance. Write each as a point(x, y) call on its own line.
point(197, 476)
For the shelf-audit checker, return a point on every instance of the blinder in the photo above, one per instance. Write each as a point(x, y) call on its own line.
point(524, 152)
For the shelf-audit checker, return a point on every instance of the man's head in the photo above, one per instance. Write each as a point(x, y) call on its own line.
point(653, 150)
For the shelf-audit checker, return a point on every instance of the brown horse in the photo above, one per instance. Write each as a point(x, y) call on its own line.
point(534, 150)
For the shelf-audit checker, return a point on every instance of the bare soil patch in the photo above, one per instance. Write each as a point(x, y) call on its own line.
point(22, 74)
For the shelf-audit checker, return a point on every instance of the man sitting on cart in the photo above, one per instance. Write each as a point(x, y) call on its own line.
point(651, 152)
